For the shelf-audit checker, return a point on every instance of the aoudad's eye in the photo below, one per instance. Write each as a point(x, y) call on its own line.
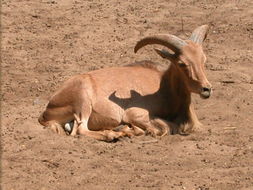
point(182, 64)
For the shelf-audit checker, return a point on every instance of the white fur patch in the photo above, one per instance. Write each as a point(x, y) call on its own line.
point(85, 124)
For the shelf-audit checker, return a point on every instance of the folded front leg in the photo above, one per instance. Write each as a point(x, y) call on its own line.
point(166, 127)
point(130, 130)
point(140, 118)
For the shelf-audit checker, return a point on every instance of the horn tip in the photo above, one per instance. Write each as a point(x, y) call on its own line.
point(137, 47)
point(135, 51)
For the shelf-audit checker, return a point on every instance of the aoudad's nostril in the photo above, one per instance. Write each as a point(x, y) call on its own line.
point(205, 89)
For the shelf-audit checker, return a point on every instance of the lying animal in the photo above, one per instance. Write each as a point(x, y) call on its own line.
point(110, 103)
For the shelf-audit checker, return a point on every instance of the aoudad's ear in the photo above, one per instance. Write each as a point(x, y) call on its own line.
point(166, 54)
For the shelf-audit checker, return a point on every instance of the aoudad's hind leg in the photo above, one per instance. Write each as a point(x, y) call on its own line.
point(81, 127)
point(105, 135)
point(82, 112)
point(56, 127)
point(51, 123)
point(81, 115)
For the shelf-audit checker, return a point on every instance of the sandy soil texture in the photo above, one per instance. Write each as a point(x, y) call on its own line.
point(44, 42)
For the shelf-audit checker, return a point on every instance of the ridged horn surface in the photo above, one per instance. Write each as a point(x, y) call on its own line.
point(199, 34)
point(170, 41)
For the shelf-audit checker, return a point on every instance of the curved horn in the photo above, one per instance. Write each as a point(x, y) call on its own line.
point(170, 41)
point(199, 34)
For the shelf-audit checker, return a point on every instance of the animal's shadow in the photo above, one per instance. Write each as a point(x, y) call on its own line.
point(156, 104)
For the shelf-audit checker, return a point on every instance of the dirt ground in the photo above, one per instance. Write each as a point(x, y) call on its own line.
point(44, 42)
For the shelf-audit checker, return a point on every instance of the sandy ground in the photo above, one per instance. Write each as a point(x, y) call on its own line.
point(44, 42)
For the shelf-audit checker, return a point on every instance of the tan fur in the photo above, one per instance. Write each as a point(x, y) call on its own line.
point(140, 97)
